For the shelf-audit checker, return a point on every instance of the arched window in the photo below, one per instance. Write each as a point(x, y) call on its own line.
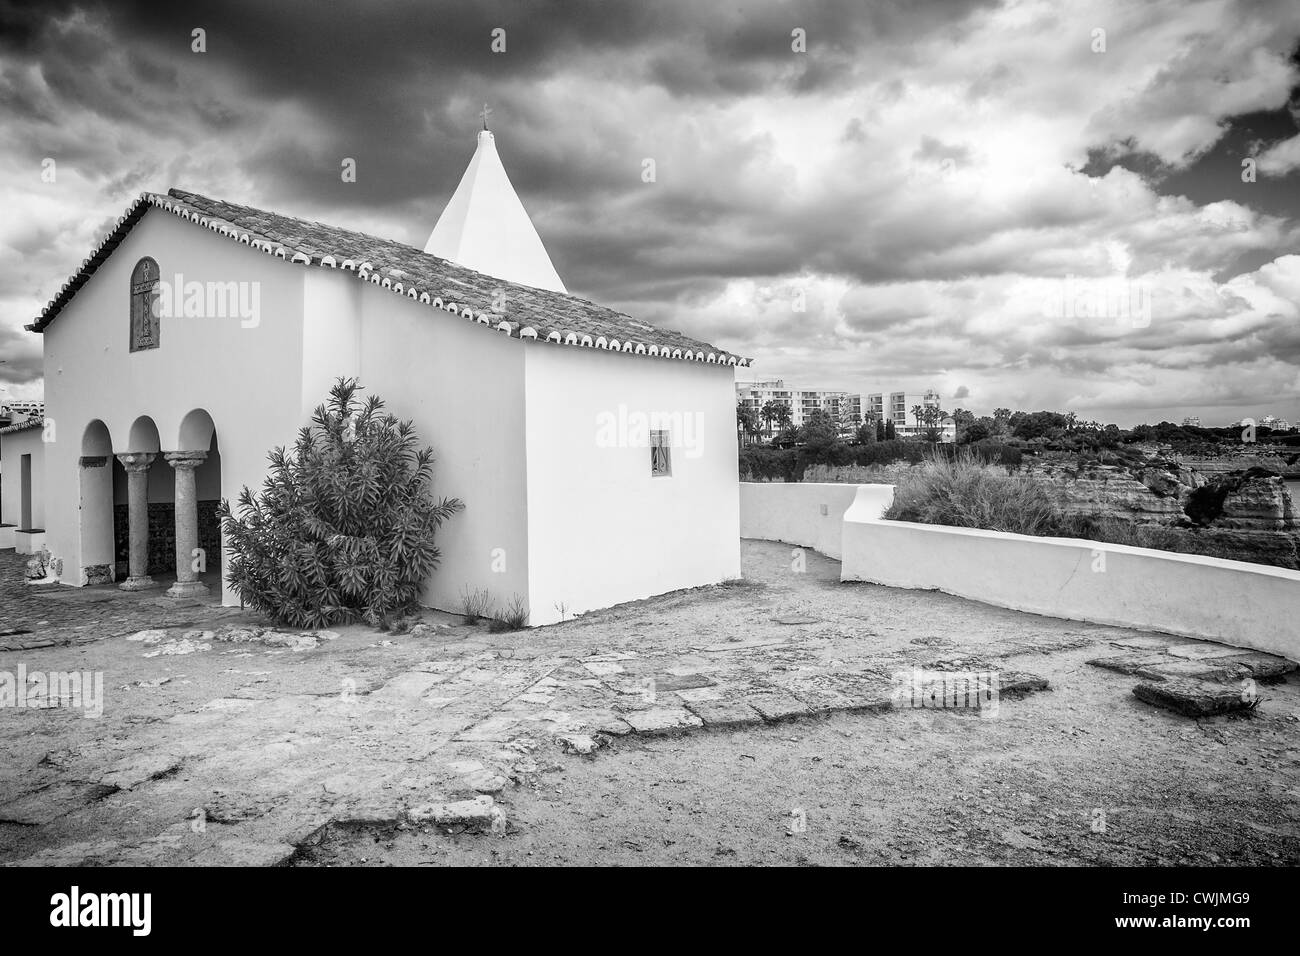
point(144, 305)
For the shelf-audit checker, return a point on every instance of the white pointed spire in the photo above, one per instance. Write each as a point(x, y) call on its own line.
point(486, 228)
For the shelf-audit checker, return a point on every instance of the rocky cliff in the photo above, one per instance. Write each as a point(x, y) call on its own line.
point(1247, 515)
point(1152, 491)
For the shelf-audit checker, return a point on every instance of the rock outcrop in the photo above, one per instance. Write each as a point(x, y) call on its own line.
point(1153, 491)
point(1246, 515)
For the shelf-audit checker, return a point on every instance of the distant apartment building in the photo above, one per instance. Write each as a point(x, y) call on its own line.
point(1193, 421)
point(897, 407)
point(1264, 421)
point(842, 406)
point(849, 408)
point(13, 412)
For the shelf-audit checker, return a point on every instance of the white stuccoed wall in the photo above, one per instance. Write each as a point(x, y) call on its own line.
point(15, 445)
point(601, 530)
point(462, 385)
point(248, 379)
point(809, 514)
point(1245, 605)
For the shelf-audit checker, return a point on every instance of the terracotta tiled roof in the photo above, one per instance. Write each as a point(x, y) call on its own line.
point(528, 313)
point(22, 426)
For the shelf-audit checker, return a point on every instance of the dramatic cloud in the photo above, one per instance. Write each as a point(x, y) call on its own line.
point(909, 203)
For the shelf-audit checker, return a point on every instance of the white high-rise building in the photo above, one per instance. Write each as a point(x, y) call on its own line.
point(844, 407)
point(897, 407)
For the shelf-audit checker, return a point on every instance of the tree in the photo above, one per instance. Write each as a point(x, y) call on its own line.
point(849, 420)
point(747, 422)
point(1030, 425)
point(343, 529)
point(867, 432)
point(930, 418)
point(784, 417)
point(820, 429)
point(963, 419)
point(786, 437)
point(890, 431)
point(769, 413)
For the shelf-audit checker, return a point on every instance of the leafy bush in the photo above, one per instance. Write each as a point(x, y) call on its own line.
point(343, 529)
point(993, 452)
point(960, 491)
point(884, 453)
point(763, 463)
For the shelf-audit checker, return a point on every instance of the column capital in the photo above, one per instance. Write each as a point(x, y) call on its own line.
point(185, 459)
point(136, 460)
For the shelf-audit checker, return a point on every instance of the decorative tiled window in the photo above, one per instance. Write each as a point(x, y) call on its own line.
point(144, 305)
point(661, 463)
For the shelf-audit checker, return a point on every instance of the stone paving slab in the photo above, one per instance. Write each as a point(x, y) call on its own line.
point(1196, 679)
point(725, 715)
point(778, 706)
point(669, 682)
point(1019, 682)
point(1193, 698)
point(1264, 666)
point(1130, 663)
point(662, 720)
point(1220, 669)
point(1202, 651)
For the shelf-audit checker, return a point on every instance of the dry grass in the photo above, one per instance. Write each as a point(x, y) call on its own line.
point(513, 617)
point(475, 605)
point(963, 493)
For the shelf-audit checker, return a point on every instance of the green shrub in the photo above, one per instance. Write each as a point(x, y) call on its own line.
point(764, 463)
point(961, 491)
point(343, 529)
point(997, 453)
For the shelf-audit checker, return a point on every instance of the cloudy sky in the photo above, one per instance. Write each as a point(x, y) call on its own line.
point(994, 199)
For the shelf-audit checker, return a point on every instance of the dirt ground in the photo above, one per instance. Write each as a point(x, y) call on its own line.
point(317, 755)
point(1084, 775)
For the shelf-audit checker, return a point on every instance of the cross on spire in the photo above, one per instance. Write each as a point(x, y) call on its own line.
point(484, 113)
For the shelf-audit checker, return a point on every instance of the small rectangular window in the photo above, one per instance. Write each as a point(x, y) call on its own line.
point(661, 465)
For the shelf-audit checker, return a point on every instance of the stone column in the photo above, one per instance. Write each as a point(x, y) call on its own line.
point(137, 465)
point(187, 583)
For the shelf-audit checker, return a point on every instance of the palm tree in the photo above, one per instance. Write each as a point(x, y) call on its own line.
point(746, 422)
point(769, 413)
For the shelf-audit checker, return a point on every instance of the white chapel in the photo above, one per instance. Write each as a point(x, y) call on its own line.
point(200, 334)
